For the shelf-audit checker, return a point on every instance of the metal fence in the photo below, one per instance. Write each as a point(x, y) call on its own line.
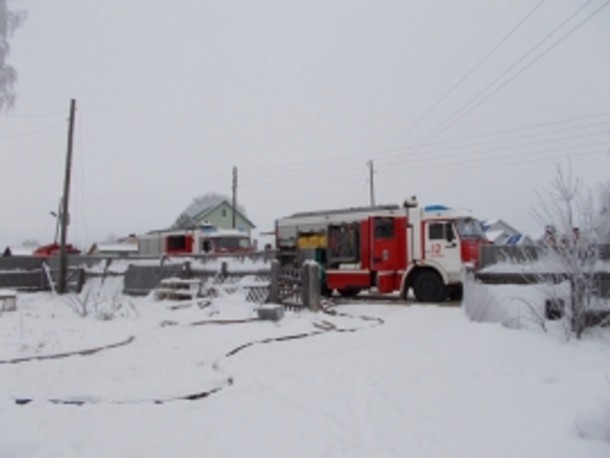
point(295, 288)
point(493, 254)
point(28, 273)
point(140, 280)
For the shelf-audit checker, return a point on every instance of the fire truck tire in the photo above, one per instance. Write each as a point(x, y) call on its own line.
point(455, 293)
point(429, 287)
point(348, 292)
point(325, 291)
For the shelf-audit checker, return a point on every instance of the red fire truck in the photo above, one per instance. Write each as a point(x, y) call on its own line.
point(200, 240)
point(390, 248)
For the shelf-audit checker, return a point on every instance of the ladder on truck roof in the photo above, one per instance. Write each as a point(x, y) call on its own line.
point(345, 211)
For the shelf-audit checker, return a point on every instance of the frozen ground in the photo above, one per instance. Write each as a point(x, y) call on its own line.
point(199, 379)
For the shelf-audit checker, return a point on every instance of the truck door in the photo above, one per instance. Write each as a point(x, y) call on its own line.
point(442, 246)
point(388, 251)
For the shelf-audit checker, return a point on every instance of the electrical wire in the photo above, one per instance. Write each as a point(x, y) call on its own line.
point(468, 107)
point(33, 132)
point(500, 161)
point(453, 151)
point(510, 132)
point(426, 153)
point(353, 158)
point(466, 75)
point(45, 115)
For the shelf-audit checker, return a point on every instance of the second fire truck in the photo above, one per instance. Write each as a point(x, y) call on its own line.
point(389, 248)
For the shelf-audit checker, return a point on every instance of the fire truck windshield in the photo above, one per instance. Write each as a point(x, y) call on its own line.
point(469, 228)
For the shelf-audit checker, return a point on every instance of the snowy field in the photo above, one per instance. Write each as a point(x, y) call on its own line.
point(175, 379)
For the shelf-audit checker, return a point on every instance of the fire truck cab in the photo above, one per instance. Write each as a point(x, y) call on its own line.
point(389, 248)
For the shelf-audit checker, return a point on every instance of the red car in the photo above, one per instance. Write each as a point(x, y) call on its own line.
point(53, 249)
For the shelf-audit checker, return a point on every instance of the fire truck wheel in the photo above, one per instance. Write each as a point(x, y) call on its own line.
point(325, 290)
point(455, 293)
point(429, 287)
point(348, 292)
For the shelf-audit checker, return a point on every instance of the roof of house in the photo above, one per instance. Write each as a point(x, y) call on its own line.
point(499, 231)
point(206, 211)
point(117, 247)
point(493, 236)
point(497, 224)
point(21, 250)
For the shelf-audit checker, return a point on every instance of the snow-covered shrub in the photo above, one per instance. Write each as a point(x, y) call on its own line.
point(514, 306)
point(574, 245)
point(102, 301)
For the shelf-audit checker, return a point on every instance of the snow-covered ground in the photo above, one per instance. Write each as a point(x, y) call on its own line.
point(183, 379)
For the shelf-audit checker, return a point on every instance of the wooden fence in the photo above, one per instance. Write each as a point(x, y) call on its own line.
point(41, 278)
point(295, 288)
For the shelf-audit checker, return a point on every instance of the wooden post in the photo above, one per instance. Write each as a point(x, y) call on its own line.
point(305, 287)
point(61, 283)
point(82, 278)
point(371, 182)
point(313, 285)
point(274, 287)
point(234, 225)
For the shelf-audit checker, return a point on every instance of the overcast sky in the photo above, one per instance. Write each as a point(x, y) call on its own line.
point(459, 102)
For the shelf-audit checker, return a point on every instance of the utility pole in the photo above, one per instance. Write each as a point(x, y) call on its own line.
point(61, 283)
point(234, 196)
point(371, 182)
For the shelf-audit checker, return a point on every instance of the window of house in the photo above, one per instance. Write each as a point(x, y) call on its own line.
point(224, 212)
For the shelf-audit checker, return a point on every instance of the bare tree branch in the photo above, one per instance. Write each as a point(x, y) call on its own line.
point(9, 22)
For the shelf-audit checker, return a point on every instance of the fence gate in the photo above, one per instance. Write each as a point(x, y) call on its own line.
point(295, 288)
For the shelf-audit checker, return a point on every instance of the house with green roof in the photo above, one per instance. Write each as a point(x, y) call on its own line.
point(221, 216)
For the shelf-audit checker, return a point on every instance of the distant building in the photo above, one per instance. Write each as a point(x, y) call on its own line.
point(120, 249)
point(19, 251)
point(499, 232)
point(220, 215)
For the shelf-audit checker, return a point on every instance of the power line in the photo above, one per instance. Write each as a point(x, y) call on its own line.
point(465, 109)
point(505, 132)
point(33, 132)
point(464, 77)
point(460, 163)
point(452, 150)
point(345, 160)
point(30, 116)
point(429, 153)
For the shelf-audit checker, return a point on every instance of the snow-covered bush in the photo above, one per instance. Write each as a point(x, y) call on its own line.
point(514, 306)
point(101, 300)
point(9, 21)
point(574, 245)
